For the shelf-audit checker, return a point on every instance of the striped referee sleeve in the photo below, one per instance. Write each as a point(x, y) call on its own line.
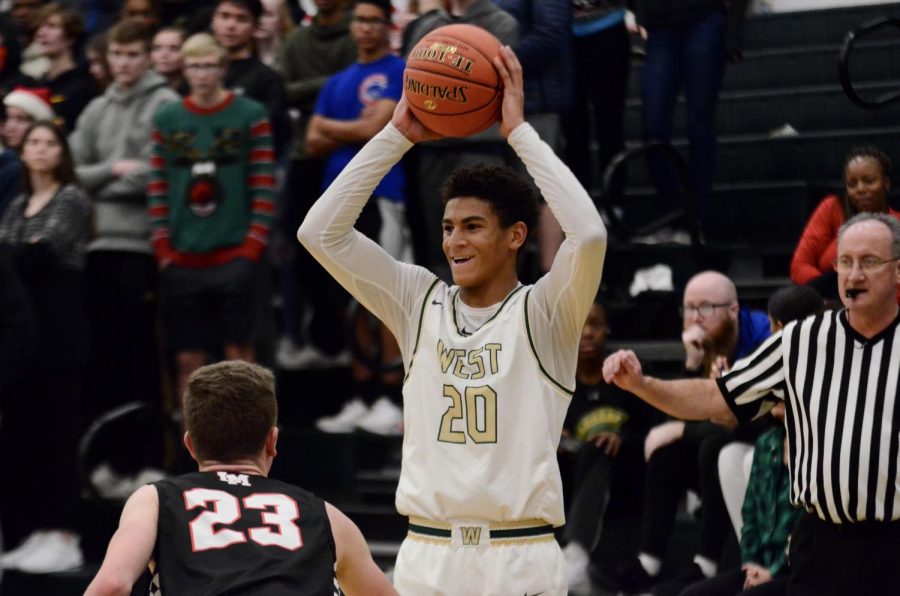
point(751, 387)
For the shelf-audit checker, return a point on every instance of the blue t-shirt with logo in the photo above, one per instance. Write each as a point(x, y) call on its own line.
point(344, 97)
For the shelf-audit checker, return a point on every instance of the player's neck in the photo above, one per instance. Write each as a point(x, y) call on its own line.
point(489, 294)
point(243, 467)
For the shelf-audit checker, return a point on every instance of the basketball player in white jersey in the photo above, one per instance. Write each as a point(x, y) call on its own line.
point(490, 363)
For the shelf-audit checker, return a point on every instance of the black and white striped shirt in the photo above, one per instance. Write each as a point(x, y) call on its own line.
point(841, 393)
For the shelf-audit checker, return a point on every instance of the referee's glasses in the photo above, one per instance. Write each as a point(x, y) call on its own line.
point(704, 310)
point(866, 264)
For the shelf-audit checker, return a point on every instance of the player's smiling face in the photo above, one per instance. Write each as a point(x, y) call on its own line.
point(478, 249)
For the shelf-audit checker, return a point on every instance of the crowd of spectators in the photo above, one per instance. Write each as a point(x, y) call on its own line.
point(158, 157)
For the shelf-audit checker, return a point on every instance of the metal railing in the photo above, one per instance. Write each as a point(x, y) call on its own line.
point(685, 211)
point(850, 41)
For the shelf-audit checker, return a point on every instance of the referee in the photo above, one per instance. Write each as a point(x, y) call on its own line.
point(839, 375)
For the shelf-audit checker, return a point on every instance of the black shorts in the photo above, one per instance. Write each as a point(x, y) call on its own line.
point(207, 308)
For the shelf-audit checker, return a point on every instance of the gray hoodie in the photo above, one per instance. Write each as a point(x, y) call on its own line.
point(117, 126)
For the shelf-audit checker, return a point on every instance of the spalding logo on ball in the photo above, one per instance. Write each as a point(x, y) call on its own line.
point(450, 80)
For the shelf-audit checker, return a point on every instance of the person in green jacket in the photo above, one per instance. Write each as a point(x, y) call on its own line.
point(768, 518)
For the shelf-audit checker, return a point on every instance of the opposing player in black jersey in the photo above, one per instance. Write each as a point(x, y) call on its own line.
point(228, 529)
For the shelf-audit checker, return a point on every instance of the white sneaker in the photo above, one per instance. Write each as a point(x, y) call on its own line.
point(34, 541)
point(383, 419)
point(110, 485)
point(666, 235)
point(59, 551)
point(287, 353)
point(311, 357)
point(577, 561)
point(786, 130)
point(345, 420)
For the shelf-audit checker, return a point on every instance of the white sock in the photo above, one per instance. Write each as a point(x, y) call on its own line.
point(650, 564)
point(708, 567)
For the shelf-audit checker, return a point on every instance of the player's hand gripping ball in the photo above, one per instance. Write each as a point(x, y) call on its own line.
point(450, 80)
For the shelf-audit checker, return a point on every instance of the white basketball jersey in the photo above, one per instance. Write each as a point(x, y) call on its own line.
point(482, 419)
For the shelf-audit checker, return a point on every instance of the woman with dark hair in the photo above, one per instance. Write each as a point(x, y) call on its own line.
point(45, 231)
point(95, 52)
point(866, 184)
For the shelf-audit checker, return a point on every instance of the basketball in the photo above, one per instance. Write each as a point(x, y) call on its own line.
point(450, 80)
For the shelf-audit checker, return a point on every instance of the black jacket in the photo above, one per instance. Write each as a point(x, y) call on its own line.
point(253, 79)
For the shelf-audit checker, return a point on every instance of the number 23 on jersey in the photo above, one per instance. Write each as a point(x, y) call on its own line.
point(278, 512)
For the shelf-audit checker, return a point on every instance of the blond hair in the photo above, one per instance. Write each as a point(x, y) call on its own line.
point(201, 45)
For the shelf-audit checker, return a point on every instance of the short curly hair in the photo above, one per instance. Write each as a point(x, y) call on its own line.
point(510, 195)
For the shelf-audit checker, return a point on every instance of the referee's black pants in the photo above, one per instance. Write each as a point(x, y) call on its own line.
point(861, 559)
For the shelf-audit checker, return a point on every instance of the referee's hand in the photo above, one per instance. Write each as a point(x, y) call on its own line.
point(624, 369)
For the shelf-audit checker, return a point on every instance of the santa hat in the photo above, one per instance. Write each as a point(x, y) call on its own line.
point(34, 102)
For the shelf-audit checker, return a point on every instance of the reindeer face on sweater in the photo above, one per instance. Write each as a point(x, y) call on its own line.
point(204, 192)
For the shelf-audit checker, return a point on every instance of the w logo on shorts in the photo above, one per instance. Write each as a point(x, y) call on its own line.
point(471, 536)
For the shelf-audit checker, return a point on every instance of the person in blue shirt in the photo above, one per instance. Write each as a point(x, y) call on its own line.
point(354, 105)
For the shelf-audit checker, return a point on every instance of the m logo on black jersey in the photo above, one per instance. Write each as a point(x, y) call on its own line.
point(234, 479)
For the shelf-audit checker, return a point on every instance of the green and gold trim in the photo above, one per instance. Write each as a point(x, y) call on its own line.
point(523, 532)
point(412, 358)
point(554, 382)
point(493, 316)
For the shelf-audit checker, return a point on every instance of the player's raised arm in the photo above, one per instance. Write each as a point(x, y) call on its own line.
point(359, 264)
point(562, 298)
point(357, 573)
point(131, 546)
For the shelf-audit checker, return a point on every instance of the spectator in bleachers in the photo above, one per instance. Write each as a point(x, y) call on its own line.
point(165, 54)
point(867, 181)
point(353, 107)
point(274, 26)
point(545, 50)
point(111, 149)
point(602, 61)
point(791, 303)
point(211, 208)
point(431, 163)
point(60, 32)
point(604, 430)
point(95, 53)
point(10, 54)
point(144, 12)
point(22, 108)
point(233, 25)
point(309, 56)
point(22, 13)
point(717, 331)
point(688, 45)
point(46, 230)
point(769, 517)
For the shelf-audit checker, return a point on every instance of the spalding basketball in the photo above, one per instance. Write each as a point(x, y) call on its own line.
point(450, 80)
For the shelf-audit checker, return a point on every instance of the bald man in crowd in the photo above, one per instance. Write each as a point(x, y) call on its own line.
point(681, 455)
